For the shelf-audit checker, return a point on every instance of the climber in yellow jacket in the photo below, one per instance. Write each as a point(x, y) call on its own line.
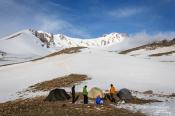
point(113, 91)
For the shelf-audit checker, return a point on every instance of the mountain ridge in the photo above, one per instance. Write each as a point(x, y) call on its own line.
point(27, 45)
point(66, 41)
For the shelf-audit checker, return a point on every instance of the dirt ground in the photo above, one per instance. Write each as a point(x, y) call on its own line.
point(64, 51)
point(163, 53)
point(152, 46)
point(67, 51)
point(37, 107)
point(65, 81)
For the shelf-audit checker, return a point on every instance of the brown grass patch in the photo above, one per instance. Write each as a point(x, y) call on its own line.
point(152, 46)
point(132, 49)
point(136, 100)
point(67, 51)
point(64, 51)
point(65, 81)
point(14, 36)
point(163, 53)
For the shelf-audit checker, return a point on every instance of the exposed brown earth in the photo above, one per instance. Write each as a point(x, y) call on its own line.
point(148, 92)
point(161, 54)
point(67, 51)
point(64, 51)
point(132, 49)
point(37, 107)
point(136, 100)
point(14, 36)
point(152, 46)
point(65, 81)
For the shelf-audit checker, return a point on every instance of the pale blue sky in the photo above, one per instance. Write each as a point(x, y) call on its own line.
point(87, 18)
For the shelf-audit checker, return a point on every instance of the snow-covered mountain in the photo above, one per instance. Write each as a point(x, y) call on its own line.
point(29, 44)
point(21, 46)
point(60, 40)
point(22, 43)
point(106, 40)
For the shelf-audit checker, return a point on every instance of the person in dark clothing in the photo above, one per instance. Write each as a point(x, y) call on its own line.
point(73, 94)
point(85, 94)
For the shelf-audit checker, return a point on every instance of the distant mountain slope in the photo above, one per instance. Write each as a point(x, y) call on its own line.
point(60, 40)
point(20, 47)
point(22, 43)
point(30, 44)
point(162, 50)
point(105, 40)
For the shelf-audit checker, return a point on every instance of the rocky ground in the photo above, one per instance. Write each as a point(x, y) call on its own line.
point(37, 107)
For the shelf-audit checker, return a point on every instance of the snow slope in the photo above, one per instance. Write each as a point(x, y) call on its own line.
point(103, 67)
point(21, 46)
point(165, 108)
point(163, 51)
point(143, 53)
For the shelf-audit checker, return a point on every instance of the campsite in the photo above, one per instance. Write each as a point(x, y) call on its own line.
point(58, 101)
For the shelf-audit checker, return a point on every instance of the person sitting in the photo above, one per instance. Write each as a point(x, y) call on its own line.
point(98, 100)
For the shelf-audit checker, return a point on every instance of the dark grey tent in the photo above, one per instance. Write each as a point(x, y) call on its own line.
point(124, 94)
point(57, 95)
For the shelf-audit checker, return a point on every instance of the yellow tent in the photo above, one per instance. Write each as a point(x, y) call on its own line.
point(94, 92)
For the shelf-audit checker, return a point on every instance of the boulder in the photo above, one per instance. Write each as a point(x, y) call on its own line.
point(173, 94)
point(148, 92)
point(57, 95)
point(124, 94)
